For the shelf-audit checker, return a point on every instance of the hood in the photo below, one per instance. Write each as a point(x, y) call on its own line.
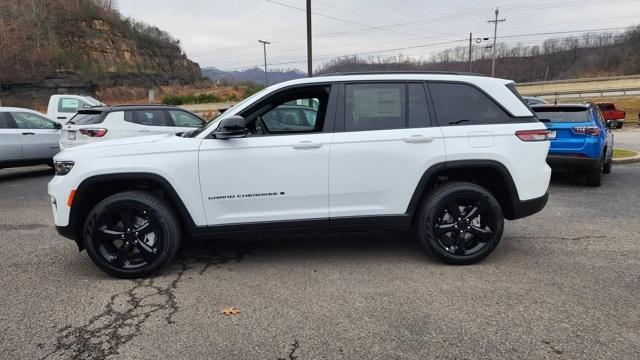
point(132, 146)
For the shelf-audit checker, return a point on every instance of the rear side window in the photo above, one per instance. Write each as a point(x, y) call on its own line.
point(375, 107)
point(563, 114)
point(70, 105)
point(152, 118)
point(461, 104)
point(86, 118)
point(4, 122)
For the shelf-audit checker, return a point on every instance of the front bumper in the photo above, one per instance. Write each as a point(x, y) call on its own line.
point(571, 163)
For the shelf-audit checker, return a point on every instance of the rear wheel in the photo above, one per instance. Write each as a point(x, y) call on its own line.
point(460, 223)
point(131, 234)
point(594, 177)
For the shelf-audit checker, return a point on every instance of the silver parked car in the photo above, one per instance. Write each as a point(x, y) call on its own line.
point(27, 137)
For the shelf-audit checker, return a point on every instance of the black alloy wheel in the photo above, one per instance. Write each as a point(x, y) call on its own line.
point(131, 234)
point(460, 222)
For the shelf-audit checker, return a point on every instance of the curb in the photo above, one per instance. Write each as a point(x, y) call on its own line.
point(627, 160)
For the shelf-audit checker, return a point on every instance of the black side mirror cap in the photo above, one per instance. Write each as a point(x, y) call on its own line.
point(231, 127)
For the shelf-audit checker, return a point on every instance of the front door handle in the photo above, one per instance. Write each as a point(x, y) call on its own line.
point(28, 133)
point(307, 145)
point(418, 139)
point(144, 130)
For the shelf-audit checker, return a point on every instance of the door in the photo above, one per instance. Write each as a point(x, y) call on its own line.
point(184, 121)
point(385, 145)
point(279, 171)
point(10, 146)
point(40, 137)
point(152, 122)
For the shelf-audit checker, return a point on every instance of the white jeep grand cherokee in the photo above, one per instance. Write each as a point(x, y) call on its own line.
point(449, 155)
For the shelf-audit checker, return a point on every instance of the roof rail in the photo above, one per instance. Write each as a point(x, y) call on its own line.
point(401, 72)
point(141, 105)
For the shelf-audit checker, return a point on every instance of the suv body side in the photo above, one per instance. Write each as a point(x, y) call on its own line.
point(327, 176)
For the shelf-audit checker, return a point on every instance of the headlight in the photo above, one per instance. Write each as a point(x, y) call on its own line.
point(63, 167)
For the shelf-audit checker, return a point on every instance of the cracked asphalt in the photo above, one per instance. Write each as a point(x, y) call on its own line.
point(563, 284)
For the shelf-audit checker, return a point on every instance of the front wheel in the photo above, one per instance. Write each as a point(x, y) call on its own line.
point(132, 234)
point(460, 223)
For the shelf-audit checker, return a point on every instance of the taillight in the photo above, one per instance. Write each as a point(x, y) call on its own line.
point(587, 130)
point(533, 135)
point(93, 132)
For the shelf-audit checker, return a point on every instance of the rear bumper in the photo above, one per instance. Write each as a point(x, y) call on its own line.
point(529, 207)
point(571, 163)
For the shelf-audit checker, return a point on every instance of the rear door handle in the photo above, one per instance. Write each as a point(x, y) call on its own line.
point(28, 133)
point(418, 139)
point(144, 130)
point(62, 117)
point(307, 145)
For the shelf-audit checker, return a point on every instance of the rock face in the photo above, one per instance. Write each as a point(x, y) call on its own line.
point(85, 44)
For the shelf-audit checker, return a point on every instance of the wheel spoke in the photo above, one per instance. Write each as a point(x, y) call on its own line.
point(126, 215)
point(472, 212)
point(453, 209)
point(442, 229)
point(142, 226)
point(122, 255)
point(459, 244)
point(112, 233)
point(482, 234)
point(146, 251)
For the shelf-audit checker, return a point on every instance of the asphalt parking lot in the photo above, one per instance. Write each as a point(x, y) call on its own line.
point(564, 283)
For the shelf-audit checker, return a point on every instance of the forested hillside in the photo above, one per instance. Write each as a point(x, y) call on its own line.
point(588, 55)
point(85, 42)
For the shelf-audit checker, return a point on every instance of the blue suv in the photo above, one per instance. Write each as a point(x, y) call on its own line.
point(580, 140)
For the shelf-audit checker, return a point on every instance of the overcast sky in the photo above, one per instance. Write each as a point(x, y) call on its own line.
point(225, 33)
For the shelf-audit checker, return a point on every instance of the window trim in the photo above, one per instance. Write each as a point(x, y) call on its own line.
point(512, 119)
point(327, 126)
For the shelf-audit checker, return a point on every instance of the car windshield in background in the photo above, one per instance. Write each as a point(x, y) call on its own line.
point(578, 114)
point(86, 118)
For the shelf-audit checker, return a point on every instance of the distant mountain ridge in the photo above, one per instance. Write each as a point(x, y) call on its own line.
point(253, 74)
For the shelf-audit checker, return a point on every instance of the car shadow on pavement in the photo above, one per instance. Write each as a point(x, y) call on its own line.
point(21, 173)
point(203, 254)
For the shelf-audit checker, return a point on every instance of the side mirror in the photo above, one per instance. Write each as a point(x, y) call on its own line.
point(57, 126)
point(231, 127)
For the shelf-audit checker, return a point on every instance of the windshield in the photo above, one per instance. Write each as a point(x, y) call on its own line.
point(212, 123)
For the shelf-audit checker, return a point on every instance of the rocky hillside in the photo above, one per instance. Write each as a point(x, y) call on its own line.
point(85, 44)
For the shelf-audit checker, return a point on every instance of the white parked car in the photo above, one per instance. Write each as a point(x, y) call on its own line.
point(63, 107)
point(27, 137)
point(448, 155)
point(107, 123)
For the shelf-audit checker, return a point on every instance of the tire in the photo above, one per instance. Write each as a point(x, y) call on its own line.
point(132, 234)
point(481, 234)
point(606, 169)
point(594, 177)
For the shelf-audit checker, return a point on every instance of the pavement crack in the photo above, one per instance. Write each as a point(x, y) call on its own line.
point(292, 350)
point(120, 321)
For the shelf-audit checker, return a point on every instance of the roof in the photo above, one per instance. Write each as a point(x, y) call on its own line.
point(400, 72)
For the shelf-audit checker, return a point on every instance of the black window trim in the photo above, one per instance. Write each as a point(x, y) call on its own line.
point(341, 116)
point(327, 126)
point(513, 119)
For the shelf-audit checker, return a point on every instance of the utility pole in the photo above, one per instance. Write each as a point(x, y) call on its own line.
point(495, 34)
point(266, 74)
point(309, 52)
point(470, 49)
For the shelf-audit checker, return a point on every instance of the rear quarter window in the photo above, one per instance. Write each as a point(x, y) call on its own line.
point(85, 118)
point(462, 104)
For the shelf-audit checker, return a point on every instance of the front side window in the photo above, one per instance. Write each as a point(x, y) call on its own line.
point(462, 104)
point(25, 120)
point(151, 118)
point(70, 105)
point(184, 119)
point(296, 111)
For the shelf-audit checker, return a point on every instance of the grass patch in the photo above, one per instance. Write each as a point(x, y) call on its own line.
point(621, 153)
